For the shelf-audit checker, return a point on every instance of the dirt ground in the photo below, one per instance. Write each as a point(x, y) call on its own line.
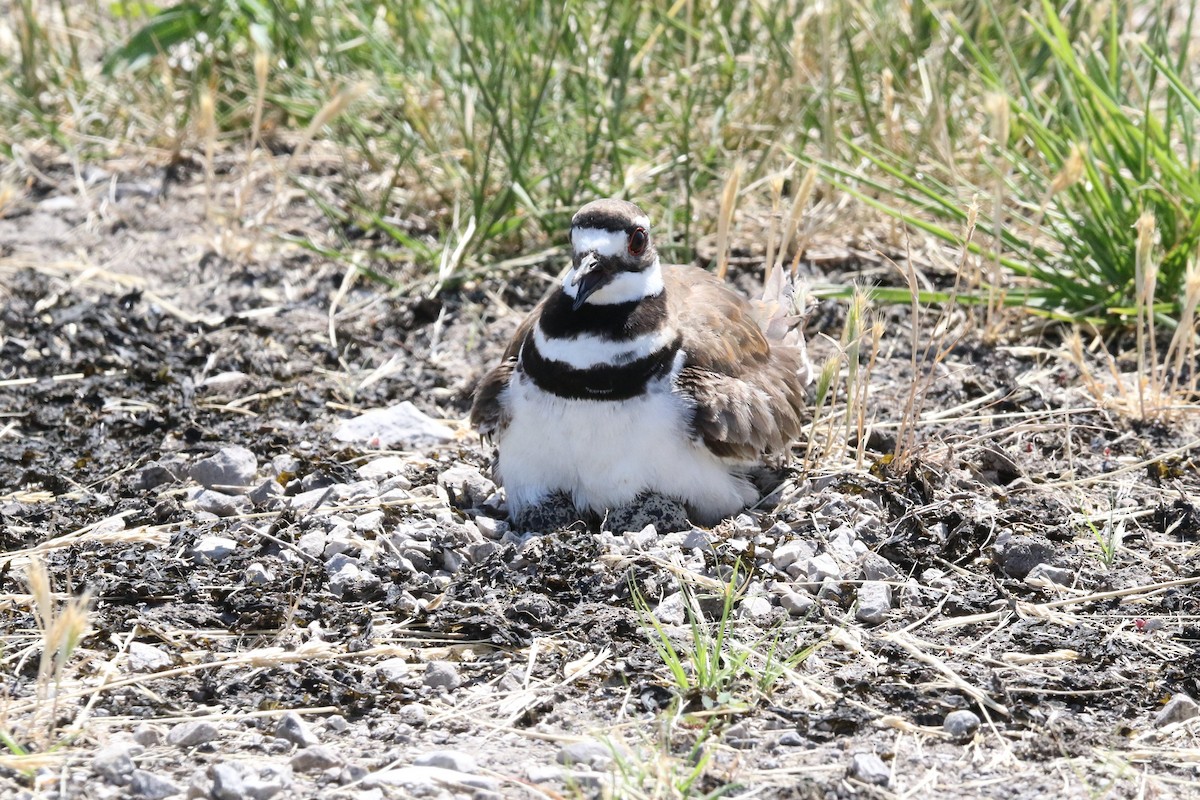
point(429, 651)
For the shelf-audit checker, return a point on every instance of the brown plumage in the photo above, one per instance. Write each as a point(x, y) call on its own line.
point(747, 389)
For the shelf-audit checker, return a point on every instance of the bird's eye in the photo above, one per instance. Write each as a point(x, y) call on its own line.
point(637, 242)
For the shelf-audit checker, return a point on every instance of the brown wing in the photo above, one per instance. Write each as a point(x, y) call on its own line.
point(748, 390)
point(487, 412)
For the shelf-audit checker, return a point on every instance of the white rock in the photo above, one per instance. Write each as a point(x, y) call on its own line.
point(191, 734)
point(796, 604)
point(448, 759)
point(841, 544)
point(670, 610)
point(213, 549)
point(147, 658)
point(114, 763)
point(756, 607)
point(1179, 708)
point(258, 575)
point(821, 567)
point(393, 670)
point(370, 521)
point(874, 602)
point(230, 469)
point(792, 551)
point(219, 503)
point(442, 675)
point(429, 778)
point(399, 424)
point(224, 381)
point(295, 730)
point(1043, 574)
point(642, 539)
point(384, 467)
point(465, 486)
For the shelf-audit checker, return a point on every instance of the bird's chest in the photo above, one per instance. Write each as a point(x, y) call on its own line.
point(550, 437)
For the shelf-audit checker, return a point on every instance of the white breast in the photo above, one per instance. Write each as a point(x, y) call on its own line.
point(605, 453)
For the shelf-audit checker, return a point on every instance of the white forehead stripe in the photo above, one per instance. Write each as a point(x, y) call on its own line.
point(586, 351)
point(605, 243)
point(626, 287)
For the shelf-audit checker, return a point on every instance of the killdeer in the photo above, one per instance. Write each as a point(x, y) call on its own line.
point(633, 377)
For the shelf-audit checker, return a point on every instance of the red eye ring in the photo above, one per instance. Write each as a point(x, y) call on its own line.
point(638, 241)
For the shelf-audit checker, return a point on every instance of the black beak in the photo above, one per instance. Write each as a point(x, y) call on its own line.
point(590, 275)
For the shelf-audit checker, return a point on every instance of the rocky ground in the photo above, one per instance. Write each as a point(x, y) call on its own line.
point(300, 582)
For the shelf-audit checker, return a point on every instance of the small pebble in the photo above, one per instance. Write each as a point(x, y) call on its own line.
point(258, 575)
point(448, 759)
point(796, 604)
point(230, 470)
point(218, 503)
point(1047, 573)
point(465, 486)
point(385, 467)
point(147, 735)
point(227, 783)
point(295, 730)
point(877, 568)
point(1017, 554)
point(393, 670)
point(212, 549)
point(589, 753)
point(869, 768)
point(146, 658)
point(315, 759)
point(874, 602)
point(821, 567)
point(756, 607)
point(151, 786)
point(442, 675)
point(791, 739)
point(370, 521)
point(1179, 708)
point(789, 553)
point(413, 714)
point(267, 494)
point(114, 763)
point(961, 725)
point(191, 734)
point(670, 610)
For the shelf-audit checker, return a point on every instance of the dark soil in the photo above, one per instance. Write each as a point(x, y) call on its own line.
point(168, 352)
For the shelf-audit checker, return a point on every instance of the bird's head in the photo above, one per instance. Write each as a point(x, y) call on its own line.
point(613, 259)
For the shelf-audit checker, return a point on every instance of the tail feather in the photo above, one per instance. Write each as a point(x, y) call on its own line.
point(781, 314)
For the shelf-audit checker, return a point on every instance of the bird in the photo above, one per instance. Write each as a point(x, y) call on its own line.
point(632, 377)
